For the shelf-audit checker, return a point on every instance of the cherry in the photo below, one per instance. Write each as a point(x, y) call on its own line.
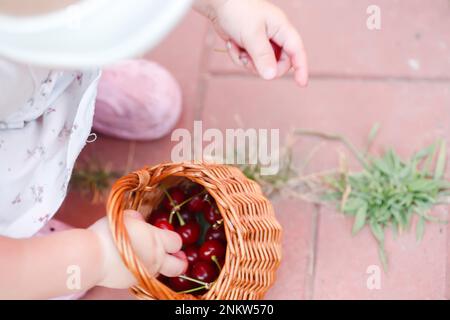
point(197, 203)
point(191, 254)
point(165, 225)
point(194, 190)
point(190, 232)
point(176, 195)
point(204, 271)
point(212, 250)
point(211, 214)
point(216, 234)
point(185, 215)
point(181, 284)
point(276, 49)
point(158, 215)
point(221, 263)
point(163, 279)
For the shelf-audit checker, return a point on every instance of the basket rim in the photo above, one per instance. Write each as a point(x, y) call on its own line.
point(141, 181)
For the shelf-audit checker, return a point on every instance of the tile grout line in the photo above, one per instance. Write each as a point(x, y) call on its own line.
point(447, 262)
point(311, 267)
point(447, 273)
point(445, 228)
point(318, 76)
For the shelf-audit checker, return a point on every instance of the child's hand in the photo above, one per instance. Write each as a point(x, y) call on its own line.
point(155, 247)
point(248, 26)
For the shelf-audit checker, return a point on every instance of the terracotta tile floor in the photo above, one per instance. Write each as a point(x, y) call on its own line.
point(398, 76)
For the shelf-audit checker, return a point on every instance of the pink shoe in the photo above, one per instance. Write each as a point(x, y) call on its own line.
point(57, 226)
point(137, 100)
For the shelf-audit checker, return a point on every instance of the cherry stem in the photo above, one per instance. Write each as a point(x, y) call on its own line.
point(192, 290)
point(180, 218)
point(176, 207)
point(214, 259)
point(173, 203)
point(217, 224)
point(204, 284)
point(189, 199)
point(220, 50)
point(166, 193)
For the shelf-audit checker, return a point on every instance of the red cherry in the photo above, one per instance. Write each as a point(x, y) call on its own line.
point(186, 215)
point(191, 254)
point(180, 284)
point(163, 279)
point(158, 215)
point(177, 195)
point(165, 225)
point(211, 214)
point(216, 234)
point(204, 271)
point(276, 49)
point(190, 233)
point(194, 190)
point(210, 249)
point(197, 203)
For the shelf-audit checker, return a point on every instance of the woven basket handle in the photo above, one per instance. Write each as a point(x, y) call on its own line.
point(117, 204)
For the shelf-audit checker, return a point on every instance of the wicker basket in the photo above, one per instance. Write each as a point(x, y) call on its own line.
point(253, 234)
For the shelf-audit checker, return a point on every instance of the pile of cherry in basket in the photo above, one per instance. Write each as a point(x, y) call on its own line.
point(191, 212)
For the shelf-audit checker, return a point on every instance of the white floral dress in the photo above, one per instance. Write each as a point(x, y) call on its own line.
point(46, 115)
point(40, 141)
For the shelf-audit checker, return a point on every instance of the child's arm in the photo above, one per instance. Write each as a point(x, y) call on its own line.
point(37, 267)
point(45, 267)
point(248, 26)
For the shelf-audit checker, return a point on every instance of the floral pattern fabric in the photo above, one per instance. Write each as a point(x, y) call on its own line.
point(39, 143)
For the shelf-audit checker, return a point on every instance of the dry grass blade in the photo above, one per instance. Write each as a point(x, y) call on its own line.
point(94, 179)
point(441, 161)
point(335, 137)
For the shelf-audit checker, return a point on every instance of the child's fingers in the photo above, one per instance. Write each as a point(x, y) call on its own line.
point(173, 266)
point(180, 255)
point(261, 52)
point(170, 240)
point(247, 61)
point(284, 65)
point(234, 53)
point(134, 214)
point(292, 44)
point(240, 57)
